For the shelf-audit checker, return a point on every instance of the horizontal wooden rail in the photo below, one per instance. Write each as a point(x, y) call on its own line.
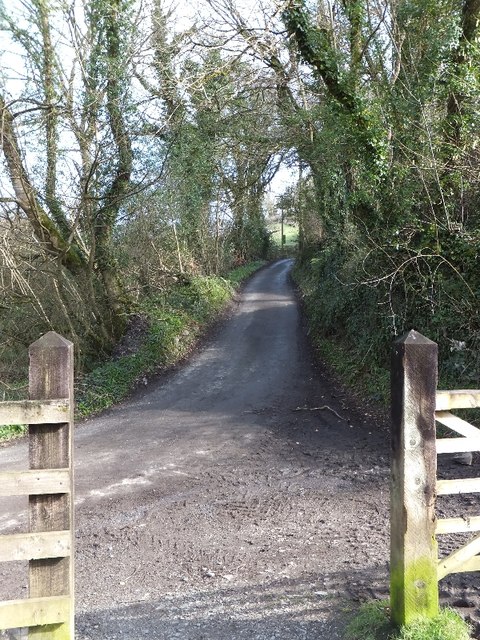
point(464, 559)
point(463, 485)
point(457, 445)
point(471, 564)
point(37, 482)
point(34, 612)
point(34, 412)
point(457, 424)
point(35, 546)
point(456, 561)
point(458, 525)
point(457, 399)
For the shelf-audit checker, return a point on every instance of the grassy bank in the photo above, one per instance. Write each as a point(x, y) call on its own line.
point(356, 362)
point(354, 325)
point(168, 327)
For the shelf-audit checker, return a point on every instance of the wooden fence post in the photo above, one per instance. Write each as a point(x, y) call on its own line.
point(413, 551)
point(51, 447)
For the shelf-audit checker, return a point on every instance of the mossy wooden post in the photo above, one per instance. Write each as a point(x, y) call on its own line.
point(51, 447)
point(413, 552)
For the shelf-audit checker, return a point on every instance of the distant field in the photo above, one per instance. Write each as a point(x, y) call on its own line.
point(290, 231)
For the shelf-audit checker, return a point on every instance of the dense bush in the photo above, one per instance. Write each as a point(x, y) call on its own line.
point(360, 313)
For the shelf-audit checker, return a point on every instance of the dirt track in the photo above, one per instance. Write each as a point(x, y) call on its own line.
point(241, 497)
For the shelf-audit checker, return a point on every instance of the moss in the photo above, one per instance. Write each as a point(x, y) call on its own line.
point(72, 259)
point(414, 591)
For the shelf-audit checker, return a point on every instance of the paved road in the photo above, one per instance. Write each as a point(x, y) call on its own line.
point(208, 507)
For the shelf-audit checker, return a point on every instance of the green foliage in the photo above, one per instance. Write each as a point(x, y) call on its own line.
point(249, 238)
point(214, 181)
point(448, 625)
point(396, 242)
point(240, 274)
point(8, 432)
point(16, 391)
point(201, 298)
point(143, 167)
point(355, 316)
point(354, 368)
point(373, 623)
point(344, 320)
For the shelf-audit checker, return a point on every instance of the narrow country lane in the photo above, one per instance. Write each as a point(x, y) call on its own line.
point(210, 507)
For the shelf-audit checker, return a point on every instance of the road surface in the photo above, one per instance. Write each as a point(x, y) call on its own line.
point(240, 497)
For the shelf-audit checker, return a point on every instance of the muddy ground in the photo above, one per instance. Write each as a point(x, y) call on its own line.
point(244, 496)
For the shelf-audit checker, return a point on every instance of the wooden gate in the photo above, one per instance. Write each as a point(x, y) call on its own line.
point(466, 558)
point(416, 408)
point(48, 544)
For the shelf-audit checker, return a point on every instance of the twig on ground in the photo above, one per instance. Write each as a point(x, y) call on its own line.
point(322, 408)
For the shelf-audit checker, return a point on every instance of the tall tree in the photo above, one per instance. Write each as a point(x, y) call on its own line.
point(88, 102)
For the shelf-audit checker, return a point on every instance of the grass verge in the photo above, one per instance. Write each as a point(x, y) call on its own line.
point(349, 332)
point(373, 623)
point(353, 363)
point(355, 370)
point(175, 320)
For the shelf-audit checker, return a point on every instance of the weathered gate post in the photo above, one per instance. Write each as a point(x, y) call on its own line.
point(413, 551)
point(50, 447)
